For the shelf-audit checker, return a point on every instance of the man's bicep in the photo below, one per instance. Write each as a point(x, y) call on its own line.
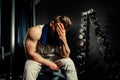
point(30, 46)
point(32, 38)
point(34, 34)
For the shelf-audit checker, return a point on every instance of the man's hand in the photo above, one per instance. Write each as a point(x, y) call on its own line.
point(53, 66)
point(59, 63)
point(61, 31)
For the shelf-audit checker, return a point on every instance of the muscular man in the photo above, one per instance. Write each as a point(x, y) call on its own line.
point(48, 46)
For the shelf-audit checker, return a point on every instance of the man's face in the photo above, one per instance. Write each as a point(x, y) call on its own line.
point(57, 29)
point(53, 27)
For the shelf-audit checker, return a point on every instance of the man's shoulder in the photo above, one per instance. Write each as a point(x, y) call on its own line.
point(37, 28)
point(34, 32)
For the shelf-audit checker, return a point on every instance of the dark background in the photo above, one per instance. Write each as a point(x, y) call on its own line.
point(106, 11)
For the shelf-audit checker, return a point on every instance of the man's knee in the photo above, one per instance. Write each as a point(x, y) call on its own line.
point(32, 66)
point(67, 61)
point(68, 64)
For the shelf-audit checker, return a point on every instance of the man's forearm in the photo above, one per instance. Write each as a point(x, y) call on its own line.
point(64, 49)
point(40, 59)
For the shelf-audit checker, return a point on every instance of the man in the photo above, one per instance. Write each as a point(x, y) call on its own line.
point(48, 46)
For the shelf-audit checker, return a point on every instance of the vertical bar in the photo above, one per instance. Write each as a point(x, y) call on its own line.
point(13, 27)
point(2, 53)
point(12, 36)
point(0, 20)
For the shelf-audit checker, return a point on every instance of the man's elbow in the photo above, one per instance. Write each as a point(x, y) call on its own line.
point(66, 55)
point(68, 51)
point(30, 55)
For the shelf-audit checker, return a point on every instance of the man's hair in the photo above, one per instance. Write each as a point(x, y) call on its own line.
point(63, 19)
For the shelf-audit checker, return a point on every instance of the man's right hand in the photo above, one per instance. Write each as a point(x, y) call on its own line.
point(53, 66)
